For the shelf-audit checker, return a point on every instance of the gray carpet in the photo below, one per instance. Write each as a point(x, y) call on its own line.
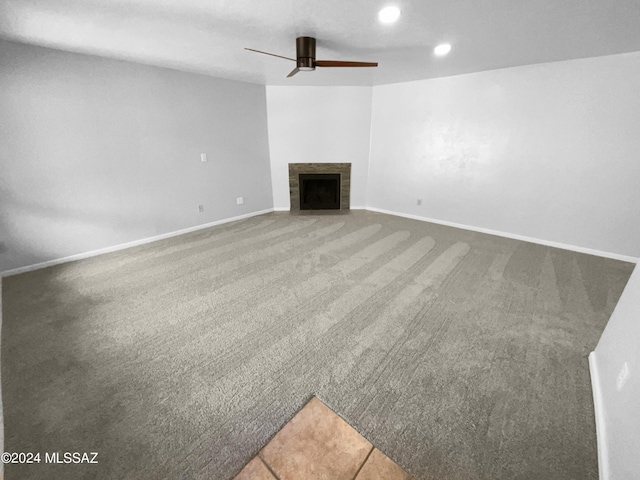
point(460, 355)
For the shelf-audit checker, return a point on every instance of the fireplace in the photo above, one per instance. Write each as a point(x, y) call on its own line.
point(319, 191)
point(319, 186)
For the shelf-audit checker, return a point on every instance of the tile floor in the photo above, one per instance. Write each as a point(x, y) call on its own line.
point(318, 444)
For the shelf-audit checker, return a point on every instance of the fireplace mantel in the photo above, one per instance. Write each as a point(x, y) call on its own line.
point(295, 169)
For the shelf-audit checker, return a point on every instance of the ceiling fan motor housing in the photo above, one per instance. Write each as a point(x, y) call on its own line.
point(306, 53)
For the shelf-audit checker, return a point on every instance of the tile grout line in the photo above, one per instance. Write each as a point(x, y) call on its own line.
point(365, 461)
point(266, 465)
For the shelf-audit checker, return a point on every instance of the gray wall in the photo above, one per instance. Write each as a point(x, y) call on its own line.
point(550, 151)
point(97, 152)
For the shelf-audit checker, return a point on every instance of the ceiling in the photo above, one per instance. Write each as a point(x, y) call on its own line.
point(209, 36)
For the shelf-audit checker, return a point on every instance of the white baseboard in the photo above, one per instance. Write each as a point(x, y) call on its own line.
point(603, 454)
point(93, 253)
point(135, 243)
point(564, 246)
point(286, 209)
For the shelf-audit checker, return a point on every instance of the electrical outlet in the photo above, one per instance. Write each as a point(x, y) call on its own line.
point(3, 247)
point(240, 200)
point(203, 157)
point(419, 202)
point(201, 208)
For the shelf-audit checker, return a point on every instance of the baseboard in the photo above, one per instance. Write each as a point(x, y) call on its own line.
point(93, 253)
point(603, 454)
point(135, 243)
point(285, 209)
point(564, 246)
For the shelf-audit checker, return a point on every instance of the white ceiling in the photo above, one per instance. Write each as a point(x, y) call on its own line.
point(209, 36)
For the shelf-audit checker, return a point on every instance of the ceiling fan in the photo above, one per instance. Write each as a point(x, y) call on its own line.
point(306, 57)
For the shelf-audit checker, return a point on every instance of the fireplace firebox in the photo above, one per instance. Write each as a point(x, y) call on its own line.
point(319, 191)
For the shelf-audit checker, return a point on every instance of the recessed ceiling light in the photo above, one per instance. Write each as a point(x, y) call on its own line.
point(389, 14)
point(442, 49)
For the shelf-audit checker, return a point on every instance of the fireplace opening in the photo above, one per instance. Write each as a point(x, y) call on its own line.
point(319, 191)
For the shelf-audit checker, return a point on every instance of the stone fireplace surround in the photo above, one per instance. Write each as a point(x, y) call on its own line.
point(344, 169)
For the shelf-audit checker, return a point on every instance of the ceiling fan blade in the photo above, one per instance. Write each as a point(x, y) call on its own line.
point(342, 63)
point(272, 54)
point(293, 72)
